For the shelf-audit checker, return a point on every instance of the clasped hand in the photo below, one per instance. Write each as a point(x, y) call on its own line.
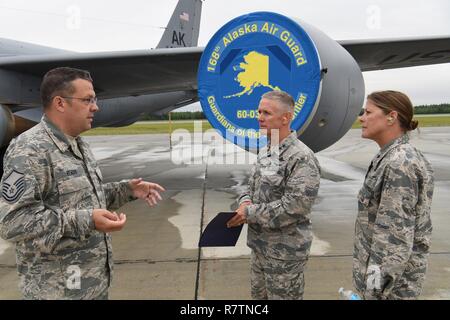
point(240, 217)
point(107, 221)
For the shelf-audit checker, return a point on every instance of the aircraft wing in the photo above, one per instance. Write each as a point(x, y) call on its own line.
point(138, 72)
point(379, 54)
point(121, 73)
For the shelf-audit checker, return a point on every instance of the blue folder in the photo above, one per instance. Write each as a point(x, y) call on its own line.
point(217, 234)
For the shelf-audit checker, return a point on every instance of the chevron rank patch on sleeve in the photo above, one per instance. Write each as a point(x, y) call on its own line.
point(13, 186)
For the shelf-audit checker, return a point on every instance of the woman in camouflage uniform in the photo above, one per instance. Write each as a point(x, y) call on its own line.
point(393, 226)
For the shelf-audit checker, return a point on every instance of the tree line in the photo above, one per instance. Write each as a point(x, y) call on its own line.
point(432, 108)
point(198, 115)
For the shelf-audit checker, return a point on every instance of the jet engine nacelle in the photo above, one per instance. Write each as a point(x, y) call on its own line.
point(115, 112)
point(7, 127)
point(264, 51)
point(342, 93)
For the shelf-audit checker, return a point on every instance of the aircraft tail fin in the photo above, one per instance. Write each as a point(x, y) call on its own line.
point(184, 25)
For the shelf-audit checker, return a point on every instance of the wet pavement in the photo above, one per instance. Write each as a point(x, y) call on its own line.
point(157, 256)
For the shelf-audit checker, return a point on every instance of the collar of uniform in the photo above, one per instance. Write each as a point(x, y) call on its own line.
point(55, 134)
point(283, 146)
point(82, 145)
point(290, 139)
point(388, 147)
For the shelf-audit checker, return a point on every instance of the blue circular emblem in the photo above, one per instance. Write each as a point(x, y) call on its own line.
point(249, 56)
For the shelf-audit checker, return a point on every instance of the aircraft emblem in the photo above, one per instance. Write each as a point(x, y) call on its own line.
point(254, 73)
point(249, 56)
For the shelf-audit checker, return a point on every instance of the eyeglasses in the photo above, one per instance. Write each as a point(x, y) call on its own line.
point(86, 101)
point(361, 113)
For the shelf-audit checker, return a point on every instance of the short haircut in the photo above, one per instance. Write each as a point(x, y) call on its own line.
point(284, 98)
point(390, 100)
point(58, 82)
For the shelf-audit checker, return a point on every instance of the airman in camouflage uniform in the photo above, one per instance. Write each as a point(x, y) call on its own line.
point(393, 226)
point(282, 188)
point(51, 187)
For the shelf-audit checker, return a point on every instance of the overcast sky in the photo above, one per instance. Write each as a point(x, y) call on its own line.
point(100, 25)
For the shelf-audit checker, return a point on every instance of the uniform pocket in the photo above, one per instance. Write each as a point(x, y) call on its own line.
point(359, 268)
point(362, 239)
point(273, 180)
point(364, 197)
point(271, 187)
point(51, 283)
point(73, 192)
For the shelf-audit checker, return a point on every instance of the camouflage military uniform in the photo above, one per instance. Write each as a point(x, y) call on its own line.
point(393, 227)
point(49, 190)
point(282, 187)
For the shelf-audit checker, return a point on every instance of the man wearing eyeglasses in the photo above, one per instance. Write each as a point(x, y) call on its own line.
point(54, 205)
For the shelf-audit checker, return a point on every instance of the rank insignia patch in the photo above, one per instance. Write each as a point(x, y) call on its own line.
point(13, 186)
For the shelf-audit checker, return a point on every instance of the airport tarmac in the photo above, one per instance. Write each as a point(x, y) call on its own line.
point(157, 257)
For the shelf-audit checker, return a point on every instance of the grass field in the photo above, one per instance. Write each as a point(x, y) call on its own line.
point(163, 127)
point(148, 128)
